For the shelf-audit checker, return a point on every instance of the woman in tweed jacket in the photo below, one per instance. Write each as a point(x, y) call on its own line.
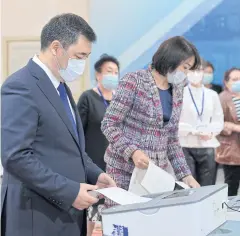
point(141, 123)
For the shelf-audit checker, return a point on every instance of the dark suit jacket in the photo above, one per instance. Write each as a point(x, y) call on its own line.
point(44, 162)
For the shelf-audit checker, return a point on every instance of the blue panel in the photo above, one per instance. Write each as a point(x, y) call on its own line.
point(215, 30)
point(217, 37)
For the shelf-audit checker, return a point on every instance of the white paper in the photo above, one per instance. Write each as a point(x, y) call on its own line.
point(152, 180)
point(120, 196)
point(183, 185)
point(135, 183)
point(157, 180)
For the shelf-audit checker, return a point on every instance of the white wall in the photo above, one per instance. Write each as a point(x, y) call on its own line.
point(25, 18)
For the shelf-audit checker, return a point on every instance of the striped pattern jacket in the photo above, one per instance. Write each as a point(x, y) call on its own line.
point(134, 121)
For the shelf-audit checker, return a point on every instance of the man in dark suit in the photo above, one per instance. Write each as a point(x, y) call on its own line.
point(47, 174)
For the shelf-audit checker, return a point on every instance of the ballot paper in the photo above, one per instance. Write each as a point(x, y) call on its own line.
point(135, 182)
point(183, 185)
point(157, 180)
point(119, 196)
point(153, 180)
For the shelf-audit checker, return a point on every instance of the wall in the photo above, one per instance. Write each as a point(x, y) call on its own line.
point(25, 18)
point(133, 30)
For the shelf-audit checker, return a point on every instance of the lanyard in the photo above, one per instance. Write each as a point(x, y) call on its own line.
point(195, 105)
point(104, 100)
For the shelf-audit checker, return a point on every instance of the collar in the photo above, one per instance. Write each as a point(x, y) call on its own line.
point(53, 79)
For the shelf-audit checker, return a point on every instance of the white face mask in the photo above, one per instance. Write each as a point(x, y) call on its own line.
point(195, 77)
point(176, 77)
point(73, 71)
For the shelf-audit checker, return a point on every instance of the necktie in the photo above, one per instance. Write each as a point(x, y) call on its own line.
point(63, 95)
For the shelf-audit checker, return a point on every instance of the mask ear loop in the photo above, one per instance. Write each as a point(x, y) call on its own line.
point(56, 59)
point(57, 62)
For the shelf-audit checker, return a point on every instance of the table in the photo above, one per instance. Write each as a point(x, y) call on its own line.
point(230, 228)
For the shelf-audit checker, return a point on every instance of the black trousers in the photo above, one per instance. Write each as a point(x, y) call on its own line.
point(202, 164)
point(232, 178)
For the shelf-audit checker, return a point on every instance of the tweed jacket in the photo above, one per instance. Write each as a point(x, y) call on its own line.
point(229, 151)
point(134, 121)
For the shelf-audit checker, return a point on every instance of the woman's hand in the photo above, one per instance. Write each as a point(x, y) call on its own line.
point(191, 182)
point(140, 159)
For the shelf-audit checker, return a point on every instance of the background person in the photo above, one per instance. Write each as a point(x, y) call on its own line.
point(92, 106)
point(228, 153)
point(201, 121)
point(209, 77)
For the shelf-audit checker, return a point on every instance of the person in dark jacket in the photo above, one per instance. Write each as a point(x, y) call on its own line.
point(92, 106)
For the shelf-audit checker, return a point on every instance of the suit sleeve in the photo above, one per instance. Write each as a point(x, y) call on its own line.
point(19, 127)
point(92, 170)
point(112, 124)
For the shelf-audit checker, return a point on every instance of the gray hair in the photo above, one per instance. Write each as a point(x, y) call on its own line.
point(66, 28)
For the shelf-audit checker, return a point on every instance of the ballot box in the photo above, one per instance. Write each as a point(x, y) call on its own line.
point(188, 212)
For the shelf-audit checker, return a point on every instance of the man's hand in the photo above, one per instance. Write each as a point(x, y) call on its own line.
point(84, 199)
point(140, 159)
point(105, 181)
point(191, 182)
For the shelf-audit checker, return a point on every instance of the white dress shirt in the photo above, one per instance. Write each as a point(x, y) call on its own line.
point(53, 79)
point(212, 118)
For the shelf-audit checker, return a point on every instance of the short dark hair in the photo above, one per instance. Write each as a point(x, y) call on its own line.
point(228, 72)
point(172, 52)
point(66, 28)
point(102, 60)
point(206, 64)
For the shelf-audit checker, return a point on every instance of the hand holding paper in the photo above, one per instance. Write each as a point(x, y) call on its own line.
point(140, 159)
point(84, 199)
point(119, 196)
point(152, 180)
point(190, 181)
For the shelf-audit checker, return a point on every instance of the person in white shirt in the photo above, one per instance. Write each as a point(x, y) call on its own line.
point(201, 121)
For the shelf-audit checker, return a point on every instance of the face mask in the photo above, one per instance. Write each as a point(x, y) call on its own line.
point(236, 87)
point(110, 82)
point(207, 78)
point(73, 71)
point(176, 77)
point(195, 77)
